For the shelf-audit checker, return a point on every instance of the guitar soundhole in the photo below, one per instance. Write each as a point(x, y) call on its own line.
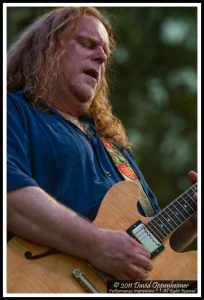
point(29, 255)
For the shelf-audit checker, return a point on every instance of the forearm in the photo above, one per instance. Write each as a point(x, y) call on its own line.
point(184, 235)
point(35, 215)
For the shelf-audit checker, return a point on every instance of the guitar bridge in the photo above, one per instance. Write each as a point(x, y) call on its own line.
point(140, 232)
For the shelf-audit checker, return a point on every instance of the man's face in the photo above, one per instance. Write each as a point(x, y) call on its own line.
point(83, 62)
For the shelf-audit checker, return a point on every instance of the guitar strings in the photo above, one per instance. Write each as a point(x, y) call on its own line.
point(175, 205)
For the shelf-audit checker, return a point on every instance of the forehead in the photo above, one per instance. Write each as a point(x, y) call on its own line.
point(92, 27)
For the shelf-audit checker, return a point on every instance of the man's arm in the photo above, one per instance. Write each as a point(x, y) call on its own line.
point(185, 234)
point(36, 216)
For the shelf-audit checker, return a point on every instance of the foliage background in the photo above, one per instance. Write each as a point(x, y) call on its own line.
point(154, 87)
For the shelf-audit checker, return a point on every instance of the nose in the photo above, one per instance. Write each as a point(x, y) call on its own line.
point(100, 55)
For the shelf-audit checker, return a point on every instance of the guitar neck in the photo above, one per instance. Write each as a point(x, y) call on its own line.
point(174, 214)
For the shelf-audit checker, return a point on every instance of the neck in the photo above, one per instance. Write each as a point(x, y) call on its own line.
point(66, 102)
point(68, 116)
point(75, 120)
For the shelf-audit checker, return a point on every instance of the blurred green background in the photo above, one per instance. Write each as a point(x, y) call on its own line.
point(154, 87)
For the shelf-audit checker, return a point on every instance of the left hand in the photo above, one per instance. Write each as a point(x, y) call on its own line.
point(192, 175)
point(186, 233)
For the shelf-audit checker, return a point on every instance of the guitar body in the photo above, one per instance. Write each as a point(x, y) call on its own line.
point(53, 273)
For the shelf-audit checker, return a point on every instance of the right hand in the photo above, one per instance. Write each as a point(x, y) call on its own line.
point(118, 254)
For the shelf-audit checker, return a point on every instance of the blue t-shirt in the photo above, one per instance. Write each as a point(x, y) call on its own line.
point(46, 150)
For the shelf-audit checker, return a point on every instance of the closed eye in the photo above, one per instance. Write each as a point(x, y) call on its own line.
point(90, 43)
point(86, 43)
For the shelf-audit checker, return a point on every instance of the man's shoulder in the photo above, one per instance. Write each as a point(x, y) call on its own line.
point(17, 100)
point(18, 96)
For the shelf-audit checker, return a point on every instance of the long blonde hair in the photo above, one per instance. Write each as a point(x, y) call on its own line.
point(33, 66)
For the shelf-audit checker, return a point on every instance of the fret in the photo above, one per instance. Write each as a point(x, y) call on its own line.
point(159, 232)
point(174, 214)
point(169, 219)
point(187, 205)
point(163, 228)
point(194, 187)
point(178, 213)
point(164, 223)
point(191, 202)
point(183, 209)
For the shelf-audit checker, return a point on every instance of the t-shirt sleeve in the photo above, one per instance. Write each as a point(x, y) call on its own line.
point(18, 166)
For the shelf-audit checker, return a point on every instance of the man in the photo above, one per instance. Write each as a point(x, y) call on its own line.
point(58, 168)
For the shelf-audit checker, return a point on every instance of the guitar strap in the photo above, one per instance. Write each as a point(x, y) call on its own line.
point(128, 173)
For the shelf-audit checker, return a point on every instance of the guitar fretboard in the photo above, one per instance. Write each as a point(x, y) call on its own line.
point(174, 214)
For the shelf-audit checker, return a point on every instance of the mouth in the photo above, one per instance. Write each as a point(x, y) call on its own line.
point(92, 73)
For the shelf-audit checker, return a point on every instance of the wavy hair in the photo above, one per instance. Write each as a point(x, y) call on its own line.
point(33, 64)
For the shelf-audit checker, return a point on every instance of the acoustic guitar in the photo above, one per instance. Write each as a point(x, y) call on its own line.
point(33, 268)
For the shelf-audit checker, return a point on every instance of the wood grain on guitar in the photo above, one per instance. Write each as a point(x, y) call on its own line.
point(52, 271)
